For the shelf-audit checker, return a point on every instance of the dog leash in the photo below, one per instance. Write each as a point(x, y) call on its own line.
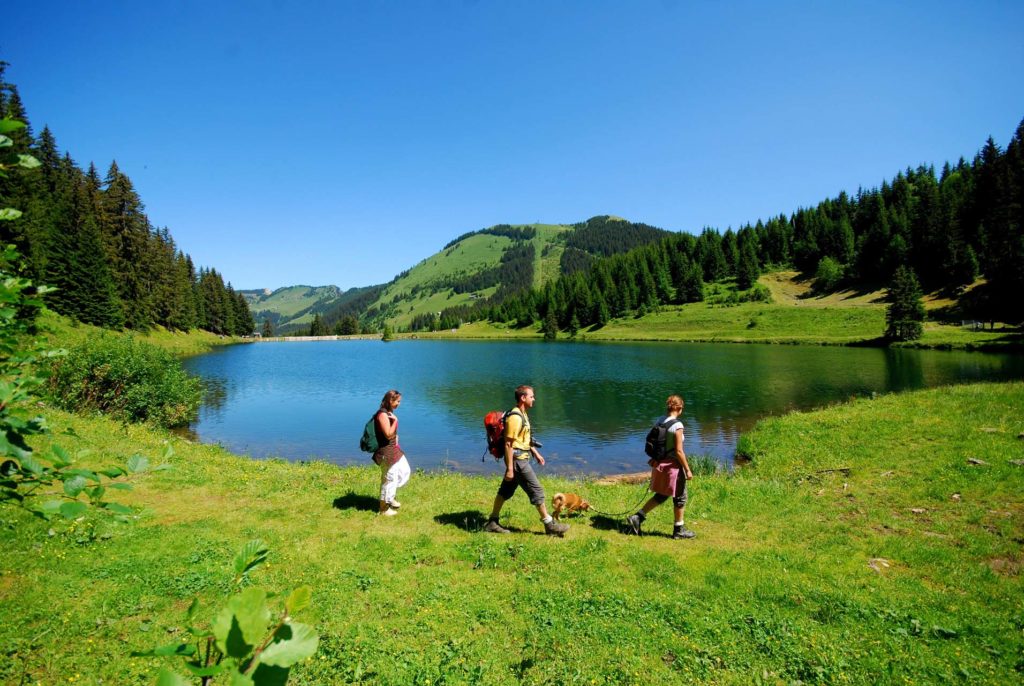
point(631, 510)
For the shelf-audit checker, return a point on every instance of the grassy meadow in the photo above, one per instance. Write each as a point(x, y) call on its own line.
point(872, 542)
point(472, 254)
point(62, 332)
point(795, 315)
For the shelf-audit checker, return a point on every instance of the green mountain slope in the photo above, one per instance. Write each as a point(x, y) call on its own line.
point(500, 260)
point(292, 307)
point(469, 269)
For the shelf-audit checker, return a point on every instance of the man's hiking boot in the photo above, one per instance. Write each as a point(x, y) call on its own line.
point(493, 527)
point(682, 532)
point(554, 528)
point(634, 523)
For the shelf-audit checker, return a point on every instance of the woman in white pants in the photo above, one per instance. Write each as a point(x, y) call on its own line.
point(394, 468)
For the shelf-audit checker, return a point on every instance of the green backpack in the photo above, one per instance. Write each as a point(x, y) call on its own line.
point(368, 443)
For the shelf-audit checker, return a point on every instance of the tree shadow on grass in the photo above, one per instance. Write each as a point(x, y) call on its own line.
point(357, 501)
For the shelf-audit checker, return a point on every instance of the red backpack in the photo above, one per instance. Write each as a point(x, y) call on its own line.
point(494, 425)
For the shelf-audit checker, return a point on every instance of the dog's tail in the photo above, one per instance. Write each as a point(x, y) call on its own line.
point(557, 499)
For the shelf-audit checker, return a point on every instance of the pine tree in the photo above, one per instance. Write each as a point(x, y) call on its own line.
point(245, 324)
point(126, 230)
point(905, 314)
point(317, 327)
point(550, 327)
point(78, 265)
point(747, 270)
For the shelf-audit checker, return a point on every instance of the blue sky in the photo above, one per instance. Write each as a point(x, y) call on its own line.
point(342, 142)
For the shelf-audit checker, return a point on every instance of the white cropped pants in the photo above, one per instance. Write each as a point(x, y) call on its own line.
point(392, 478)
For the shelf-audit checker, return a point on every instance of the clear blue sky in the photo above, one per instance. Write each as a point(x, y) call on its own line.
point(342, 142)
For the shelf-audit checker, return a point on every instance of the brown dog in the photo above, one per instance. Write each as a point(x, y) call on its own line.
point(570, 502)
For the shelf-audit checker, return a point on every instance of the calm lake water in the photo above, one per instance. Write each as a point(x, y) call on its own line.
point(595, 402)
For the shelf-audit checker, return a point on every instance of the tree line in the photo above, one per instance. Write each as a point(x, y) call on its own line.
point(946, 229)
point(89, 237)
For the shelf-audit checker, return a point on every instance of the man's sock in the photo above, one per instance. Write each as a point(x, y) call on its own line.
point(548, 519)
point(641, 515)
point(679, 524)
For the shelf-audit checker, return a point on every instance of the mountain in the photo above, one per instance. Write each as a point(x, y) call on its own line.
point(492, 263)
point(291, 308)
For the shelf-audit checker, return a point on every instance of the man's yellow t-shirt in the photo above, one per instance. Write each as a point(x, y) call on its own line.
point(520, 434)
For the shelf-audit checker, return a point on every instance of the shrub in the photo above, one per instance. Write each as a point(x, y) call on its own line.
point(759, 293)
point(127, 379)
point(828, 275)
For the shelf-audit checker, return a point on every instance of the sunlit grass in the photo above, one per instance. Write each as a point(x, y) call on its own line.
point(839, 555)
point(62, 331)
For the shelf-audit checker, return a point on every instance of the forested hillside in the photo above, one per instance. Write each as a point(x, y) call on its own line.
point(488, 267)
point(290, 309)
point(950, 228)
point(88, 235)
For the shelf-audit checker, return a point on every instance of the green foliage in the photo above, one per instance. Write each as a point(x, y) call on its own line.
point(550, 327)
point(49, 483)
point(89, 236)
point(828, 275)
point(317, 328)
point(127, 379)
point(905, 314)
point(387, 334)
point(758, 293)
point(244, 643)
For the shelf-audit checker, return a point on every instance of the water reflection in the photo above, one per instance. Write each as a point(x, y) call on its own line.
point(594, 401)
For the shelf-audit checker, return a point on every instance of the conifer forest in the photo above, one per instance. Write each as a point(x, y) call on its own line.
point(948, 229)
point(87, 234)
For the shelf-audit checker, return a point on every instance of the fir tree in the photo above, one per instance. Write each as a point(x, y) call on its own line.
point(126, 229)
point(550, 327)
point(317, 327)
point(905, 314)
point(747, 270)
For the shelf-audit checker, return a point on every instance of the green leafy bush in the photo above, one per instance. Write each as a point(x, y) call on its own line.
point(126, 379)
point(828, 275)
point(758, 293)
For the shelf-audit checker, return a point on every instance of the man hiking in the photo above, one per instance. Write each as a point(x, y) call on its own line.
point(519, 447)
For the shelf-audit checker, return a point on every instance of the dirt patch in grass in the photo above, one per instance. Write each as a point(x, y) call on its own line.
point(1004, 567)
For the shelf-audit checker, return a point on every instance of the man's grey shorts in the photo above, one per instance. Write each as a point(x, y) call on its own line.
point(524, 478)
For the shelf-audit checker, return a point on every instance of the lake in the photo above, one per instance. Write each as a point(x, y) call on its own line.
point(595, 401)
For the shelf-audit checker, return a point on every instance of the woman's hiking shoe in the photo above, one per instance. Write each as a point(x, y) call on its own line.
point(388, 513)
point(493, 527)
point(634, 523)
point(682, 532)
point(395, 504)
point(554, 528)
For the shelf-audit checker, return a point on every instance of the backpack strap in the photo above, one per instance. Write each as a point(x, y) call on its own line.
point(664, 426)
point(526, 422)
point(668, 424)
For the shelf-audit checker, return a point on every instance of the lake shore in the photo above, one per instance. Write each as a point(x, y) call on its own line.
point(876, 537)
point(756, 323)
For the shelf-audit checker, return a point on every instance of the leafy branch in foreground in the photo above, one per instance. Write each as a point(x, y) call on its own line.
point(48, 483)
point(246, 643)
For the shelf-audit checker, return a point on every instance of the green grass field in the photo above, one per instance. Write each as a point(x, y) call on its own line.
point(794, 317)
point(861, 546)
